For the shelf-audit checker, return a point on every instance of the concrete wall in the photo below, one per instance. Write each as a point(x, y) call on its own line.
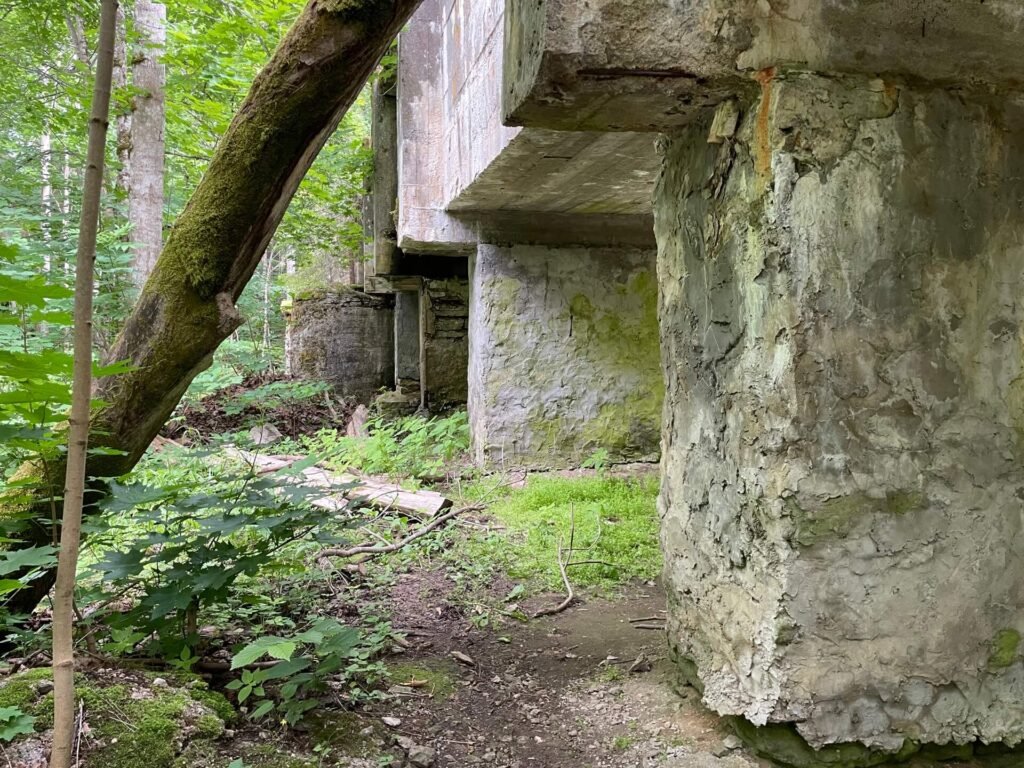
point(563, 355)
point(346, 339)
point(842, 492)
point(445, 341)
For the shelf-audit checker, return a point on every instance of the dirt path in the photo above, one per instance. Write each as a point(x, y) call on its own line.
point(546, 693)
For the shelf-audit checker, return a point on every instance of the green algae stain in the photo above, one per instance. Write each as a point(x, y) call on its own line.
point(836, 518)
point(1005, 645)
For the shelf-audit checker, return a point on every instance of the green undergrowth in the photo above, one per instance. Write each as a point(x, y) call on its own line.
point(610, 520)
point(411, 448)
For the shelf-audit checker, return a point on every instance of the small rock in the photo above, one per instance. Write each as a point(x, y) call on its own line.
point(265, 435)
point(229, 733)
point(405, 743)
point(422, 757)
point(391, 722)
point(43, 687)
point(732, 741)
point(159, 682)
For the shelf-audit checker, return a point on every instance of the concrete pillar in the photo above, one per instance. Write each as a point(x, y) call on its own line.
point(843, 492)
point(347, 339)
point(385, 175)
point(445, 341)
point(563, 355)
point(407, 341)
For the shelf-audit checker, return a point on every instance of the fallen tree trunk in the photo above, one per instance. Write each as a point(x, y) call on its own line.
point(362, 491)
point(187, 307)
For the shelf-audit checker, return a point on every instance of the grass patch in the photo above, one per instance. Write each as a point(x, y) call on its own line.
point(616, 522)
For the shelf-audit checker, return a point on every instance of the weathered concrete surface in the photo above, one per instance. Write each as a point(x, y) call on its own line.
point(407, 340)
point(445, 341)
point(564, 355)
point(464, 175)
point(347, 339)
point(843, 488)
point(423, 224)
point(652, 64)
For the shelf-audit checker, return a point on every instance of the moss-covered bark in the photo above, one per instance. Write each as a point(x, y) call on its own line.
point(187, 307)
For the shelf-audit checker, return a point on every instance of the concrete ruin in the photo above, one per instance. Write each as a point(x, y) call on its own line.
point(788, 238)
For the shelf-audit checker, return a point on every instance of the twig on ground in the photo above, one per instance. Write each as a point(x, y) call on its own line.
point(646, 619)
point(78, 733)
point(659, 627)
point(369, 550)
point(590, 562)
point(562, 567)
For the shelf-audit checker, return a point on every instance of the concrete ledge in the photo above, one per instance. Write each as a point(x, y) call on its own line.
point(636, 65)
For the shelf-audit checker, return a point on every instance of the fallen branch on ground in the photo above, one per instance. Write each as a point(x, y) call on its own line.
point(563, 566)
point(368, 551)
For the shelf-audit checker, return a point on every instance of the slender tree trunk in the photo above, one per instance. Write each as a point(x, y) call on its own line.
point(76, 29)
point(123, 115)
point(187, 307)
point(268, 276)
point(78, 431)
point(146, 164)
point(46, 176)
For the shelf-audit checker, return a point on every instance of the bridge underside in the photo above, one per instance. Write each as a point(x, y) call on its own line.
point(788, 239)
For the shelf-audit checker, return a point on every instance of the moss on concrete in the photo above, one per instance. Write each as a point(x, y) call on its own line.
point(1005, 645)
point(783, 745)
point(836, 518)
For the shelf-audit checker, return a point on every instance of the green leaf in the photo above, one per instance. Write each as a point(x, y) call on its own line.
point(286, 668)
point(10, 585)
point(262, 710)
point(14, 723)
point(32, 557)
point(253, 652)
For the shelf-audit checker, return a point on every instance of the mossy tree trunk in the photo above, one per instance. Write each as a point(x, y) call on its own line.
point(187, 306)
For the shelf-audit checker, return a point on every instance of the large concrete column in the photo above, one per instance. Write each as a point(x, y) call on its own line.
point(346, 338)
point(842, 311)
point(563, 355)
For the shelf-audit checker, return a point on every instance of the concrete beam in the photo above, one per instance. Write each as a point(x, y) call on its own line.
point(651, 65)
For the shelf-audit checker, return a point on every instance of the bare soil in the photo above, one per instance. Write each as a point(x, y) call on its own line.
point(294, 418)
point(542, 693)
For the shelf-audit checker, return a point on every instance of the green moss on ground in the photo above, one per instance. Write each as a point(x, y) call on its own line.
point(615, 518)
point(440, 680)
point(173, 727)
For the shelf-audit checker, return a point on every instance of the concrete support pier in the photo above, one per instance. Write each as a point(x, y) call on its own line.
point(564, 355)
point(346, 338)
point(841, 262)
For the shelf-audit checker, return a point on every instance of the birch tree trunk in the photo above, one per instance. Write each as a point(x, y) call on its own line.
point(187, 307)
point(146, 156)
point(78, 430)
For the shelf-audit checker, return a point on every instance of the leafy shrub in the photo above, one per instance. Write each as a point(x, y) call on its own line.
point(329, 650)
